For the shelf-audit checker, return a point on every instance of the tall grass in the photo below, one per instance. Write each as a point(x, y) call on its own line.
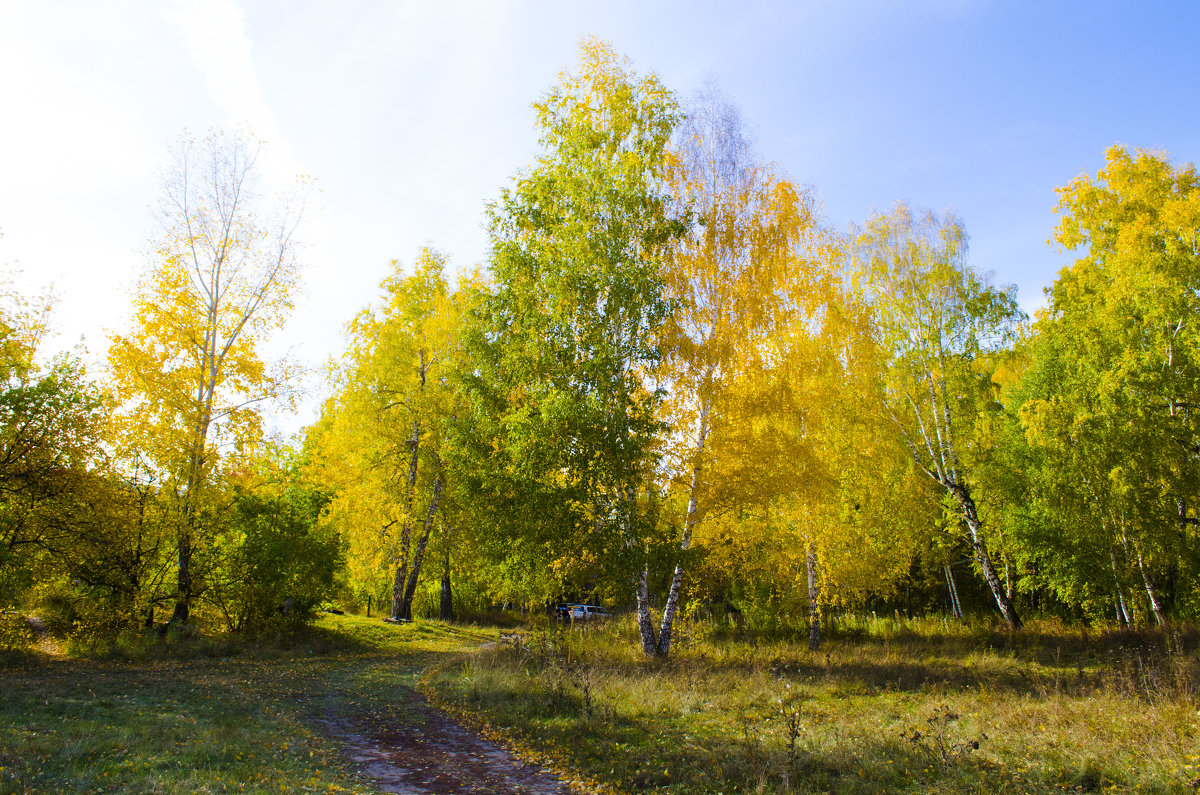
point(884, 705)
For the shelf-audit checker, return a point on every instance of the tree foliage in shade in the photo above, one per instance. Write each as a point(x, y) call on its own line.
point(50, 421)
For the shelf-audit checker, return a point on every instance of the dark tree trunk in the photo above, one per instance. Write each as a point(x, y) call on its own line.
point(397, 591)
point(447, 611)
point(398, 584)
point(447, 606)
point(418, 556)
point(183, 598)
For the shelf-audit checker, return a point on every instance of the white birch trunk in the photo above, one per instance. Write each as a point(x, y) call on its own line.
point(663, 646)
point(814, 599)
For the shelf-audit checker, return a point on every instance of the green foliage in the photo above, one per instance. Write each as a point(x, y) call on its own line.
point(282, 561)
point(941, 332)
point(1111, 393)
point(564, 409)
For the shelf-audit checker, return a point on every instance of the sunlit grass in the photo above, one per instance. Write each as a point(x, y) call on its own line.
point(1047, 710)
point(1052, 709)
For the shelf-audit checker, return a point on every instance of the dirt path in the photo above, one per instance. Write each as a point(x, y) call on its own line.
point(433, 754)
point(41, 633)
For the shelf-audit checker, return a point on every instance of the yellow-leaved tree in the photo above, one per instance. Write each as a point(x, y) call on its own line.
point(186, 375)
point(755, 266)
point(379, 445)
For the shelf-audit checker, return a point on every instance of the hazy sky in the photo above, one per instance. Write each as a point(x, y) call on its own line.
point(411, 115)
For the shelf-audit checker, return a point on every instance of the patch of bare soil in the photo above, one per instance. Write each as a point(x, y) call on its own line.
point(434, 755)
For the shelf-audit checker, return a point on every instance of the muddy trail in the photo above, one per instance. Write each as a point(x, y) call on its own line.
point(433, 754)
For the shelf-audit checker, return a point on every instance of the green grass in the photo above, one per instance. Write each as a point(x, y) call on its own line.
point(244, 721)
point(1047, 710)
point(1052, 709)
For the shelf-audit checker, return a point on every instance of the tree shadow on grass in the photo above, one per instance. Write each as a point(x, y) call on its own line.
point(643, 754)
point(1148, 664)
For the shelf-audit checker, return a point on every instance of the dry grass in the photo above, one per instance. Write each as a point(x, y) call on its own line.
point(882, 707)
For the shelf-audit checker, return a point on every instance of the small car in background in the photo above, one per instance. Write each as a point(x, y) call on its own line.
point(584, 613)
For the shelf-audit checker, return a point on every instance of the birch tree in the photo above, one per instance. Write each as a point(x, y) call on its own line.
point(937, 322)
point(187, 374)
point(575, 310)
point(753, 271)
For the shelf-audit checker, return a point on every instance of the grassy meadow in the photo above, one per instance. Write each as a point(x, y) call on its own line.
point(883, 706)
point(895, 707)
point(199, 715)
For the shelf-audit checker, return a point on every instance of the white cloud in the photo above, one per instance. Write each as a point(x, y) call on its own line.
point(214, 35)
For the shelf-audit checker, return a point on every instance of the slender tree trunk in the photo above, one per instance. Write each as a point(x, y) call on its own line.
point(1009, 588)
point(1148, 580)
point(644, 617)
point(985, 562)
point(184, 580)
point(418, 556)
point(955, 605)
point(447, 606)
point(1122, 610)
point(663, 647)
point(814, 598)
point(185, 587)
point(398, 584)
point(205, 394)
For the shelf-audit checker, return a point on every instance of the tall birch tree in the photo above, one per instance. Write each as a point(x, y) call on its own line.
point(751, 264)
point(576, 308)
point(937, 323)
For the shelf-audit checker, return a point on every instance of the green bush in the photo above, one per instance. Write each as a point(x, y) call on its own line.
point(280, 561)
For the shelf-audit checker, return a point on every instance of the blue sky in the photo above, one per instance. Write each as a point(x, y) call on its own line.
point(412, 115)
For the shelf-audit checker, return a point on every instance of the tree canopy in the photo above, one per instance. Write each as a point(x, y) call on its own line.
point(671, 387)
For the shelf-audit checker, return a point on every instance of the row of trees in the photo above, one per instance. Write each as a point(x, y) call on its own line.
point(674, 379)
point(672, 387)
